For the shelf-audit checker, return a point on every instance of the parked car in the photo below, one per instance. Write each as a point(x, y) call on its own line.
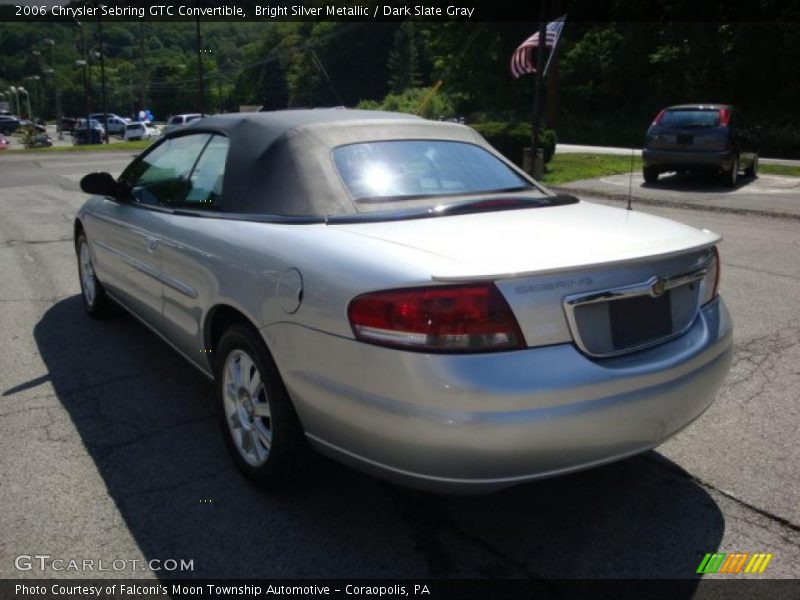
point(114, 123)
point(695, 137)
point(4, 143)
point(93, 134)
point(68, 124)
point(9, 124)
point(400, 295)
point(136, 131)
point(178, 121)
point(93, 123)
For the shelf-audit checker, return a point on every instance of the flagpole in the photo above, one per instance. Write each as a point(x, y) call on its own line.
point(537, 90)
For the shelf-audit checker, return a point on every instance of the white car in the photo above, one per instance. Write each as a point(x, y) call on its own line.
point(140, 131)
point(178, 121)
point(135, 131)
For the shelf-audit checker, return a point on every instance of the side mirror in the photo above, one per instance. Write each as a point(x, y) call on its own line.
point(100, 184)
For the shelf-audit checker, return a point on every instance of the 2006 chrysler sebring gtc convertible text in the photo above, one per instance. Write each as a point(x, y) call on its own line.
point(402, 296)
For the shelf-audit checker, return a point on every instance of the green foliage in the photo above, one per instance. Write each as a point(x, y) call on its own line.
point(511, 137)
point(573, 167)
point(28, 136)
point(435, 105)
point(403, 63)
point(785, 170)
point(612, 77)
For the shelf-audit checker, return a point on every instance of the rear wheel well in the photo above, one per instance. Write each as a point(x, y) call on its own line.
point(220, 319)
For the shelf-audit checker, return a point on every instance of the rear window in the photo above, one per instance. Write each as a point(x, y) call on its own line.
point(192, 118)
point(690, 118)
point(382, 172)
point(134, 126)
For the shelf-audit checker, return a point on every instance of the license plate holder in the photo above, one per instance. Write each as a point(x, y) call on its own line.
point(636, 321)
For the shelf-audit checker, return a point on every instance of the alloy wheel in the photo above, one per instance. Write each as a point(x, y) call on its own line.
point(87, 275)
point(247, 407)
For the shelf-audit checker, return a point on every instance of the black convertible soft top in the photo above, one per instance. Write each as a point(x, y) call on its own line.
point(279, 163)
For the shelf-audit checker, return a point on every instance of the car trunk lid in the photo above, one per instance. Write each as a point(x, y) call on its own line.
point(511, 243)
point(540, 258)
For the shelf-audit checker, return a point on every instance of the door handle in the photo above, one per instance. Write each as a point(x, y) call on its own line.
point(152, 243)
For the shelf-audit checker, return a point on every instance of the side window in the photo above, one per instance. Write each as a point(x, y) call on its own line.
point(205, 183)
point(161, 178)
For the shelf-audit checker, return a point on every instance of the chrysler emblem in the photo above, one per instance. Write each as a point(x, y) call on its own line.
point(658, 287)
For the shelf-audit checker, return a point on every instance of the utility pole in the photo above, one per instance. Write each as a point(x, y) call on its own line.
point(553, 99)
point(102, 73)
point(200, 66)
point(143, 68)
point(538, 162)
point(50, 43)
point(87, 73)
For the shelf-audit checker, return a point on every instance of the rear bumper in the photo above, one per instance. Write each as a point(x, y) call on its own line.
point(671, 160)
point(476, 423)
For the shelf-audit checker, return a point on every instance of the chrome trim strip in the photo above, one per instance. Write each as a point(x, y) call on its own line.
point(129, 260)
point(178, 285)
point(152, 271)
point(650, 288)
point(645, 288)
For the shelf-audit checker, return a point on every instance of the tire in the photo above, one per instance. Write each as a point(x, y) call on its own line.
point(95, 300)
point(752, 170)
point(650, 174)
point(731, 176)
point(259, 423)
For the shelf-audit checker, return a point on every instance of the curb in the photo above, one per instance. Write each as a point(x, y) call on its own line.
point(677, 204)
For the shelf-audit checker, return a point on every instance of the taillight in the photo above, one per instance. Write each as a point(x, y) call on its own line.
point(657, 120)
point(710, 282)
point(456, 318)
point(724, 117)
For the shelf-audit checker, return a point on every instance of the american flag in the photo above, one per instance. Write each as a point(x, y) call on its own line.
point(522, 61)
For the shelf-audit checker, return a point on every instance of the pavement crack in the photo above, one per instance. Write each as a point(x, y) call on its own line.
point(427, 522)
point(51, 300)
point(166, 488)
point(9, 243)
point(764, 271)
point(105, 450)
point(110, 381)
point(763, 512)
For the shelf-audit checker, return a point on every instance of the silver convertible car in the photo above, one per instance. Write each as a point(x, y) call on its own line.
point(400, 295)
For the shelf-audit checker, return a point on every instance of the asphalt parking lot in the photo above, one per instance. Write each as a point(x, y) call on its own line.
point(110, 446)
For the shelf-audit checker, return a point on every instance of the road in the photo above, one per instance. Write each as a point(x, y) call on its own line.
point(110, 446)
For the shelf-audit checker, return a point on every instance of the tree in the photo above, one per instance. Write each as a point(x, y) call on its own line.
point(403, 61)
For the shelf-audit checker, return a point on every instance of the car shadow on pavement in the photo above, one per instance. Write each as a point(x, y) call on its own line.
point(701, 183)
point(150, 423)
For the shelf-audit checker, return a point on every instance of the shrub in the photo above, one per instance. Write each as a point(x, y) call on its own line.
point(28, 136)
point(510, 138)
point(411, 99)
